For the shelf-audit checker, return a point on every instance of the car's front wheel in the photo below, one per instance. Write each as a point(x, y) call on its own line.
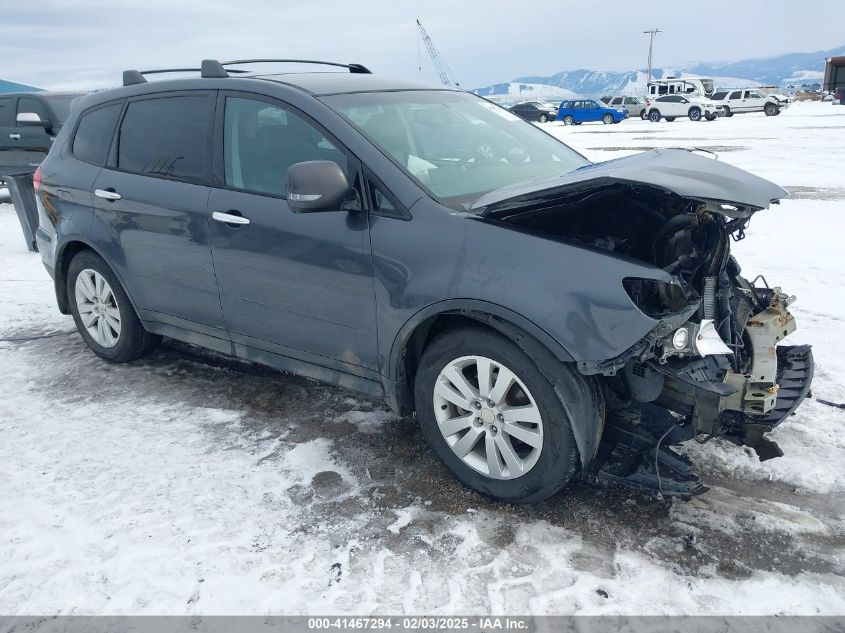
point(568, 120)
point(103, 313)
point(695, 113)
point(607, 119)
point(771, 109)
point(493, 417)
point(654, 116)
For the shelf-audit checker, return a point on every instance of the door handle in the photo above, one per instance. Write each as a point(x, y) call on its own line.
point(230, 218)
point(107, 194)
point(15, 137)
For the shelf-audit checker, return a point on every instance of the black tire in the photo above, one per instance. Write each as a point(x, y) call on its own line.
point(607, 119)
point(643, 115)
point(670, 118)
point(543, 118)
point(728, 112)
point(654, 116)
point(710, 117)
point(771, 109)
point(568, 119)
point(133, 341)
point(558, 460)
point(695, 113)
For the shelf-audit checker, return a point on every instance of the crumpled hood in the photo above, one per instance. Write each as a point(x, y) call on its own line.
point(675, 170)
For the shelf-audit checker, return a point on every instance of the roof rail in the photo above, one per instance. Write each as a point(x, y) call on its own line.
point(213, 69)
point(353, 68)
point(209, 69)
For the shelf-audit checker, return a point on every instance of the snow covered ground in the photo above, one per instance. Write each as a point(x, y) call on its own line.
point(188, 483)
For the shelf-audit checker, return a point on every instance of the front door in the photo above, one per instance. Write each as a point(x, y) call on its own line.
point(150, 206)
point(753, 101)
point(33, 141)
point(298, 285)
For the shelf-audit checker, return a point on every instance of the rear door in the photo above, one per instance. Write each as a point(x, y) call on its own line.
point(150, 206)
point(299, 285)
point(592, 112)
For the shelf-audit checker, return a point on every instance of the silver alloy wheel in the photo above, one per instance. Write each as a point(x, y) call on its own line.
point(488, 417)
point(97, 306)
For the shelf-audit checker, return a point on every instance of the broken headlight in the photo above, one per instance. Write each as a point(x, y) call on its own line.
point(655, 298)
point(692, 339)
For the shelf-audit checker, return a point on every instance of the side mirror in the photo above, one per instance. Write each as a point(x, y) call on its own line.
point(316, 185)
point(31, 118)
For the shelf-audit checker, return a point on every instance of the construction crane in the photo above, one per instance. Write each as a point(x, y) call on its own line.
point(439, 64)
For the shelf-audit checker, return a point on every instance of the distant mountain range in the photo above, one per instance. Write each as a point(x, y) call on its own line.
point(791, 69)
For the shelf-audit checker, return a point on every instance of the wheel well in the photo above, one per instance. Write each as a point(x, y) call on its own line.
point(427, 330)
point(586, 426)
point(62, 264)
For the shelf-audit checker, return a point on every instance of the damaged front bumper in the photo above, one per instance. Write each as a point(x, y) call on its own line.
point(672, 399)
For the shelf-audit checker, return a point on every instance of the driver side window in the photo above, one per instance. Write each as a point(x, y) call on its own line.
point(261, 141)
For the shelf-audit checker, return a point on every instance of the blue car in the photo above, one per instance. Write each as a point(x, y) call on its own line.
point(579, 111)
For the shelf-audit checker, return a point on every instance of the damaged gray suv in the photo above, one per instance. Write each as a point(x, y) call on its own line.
point(545, 317)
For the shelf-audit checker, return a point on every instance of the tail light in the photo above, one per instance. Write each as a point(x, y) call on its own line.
point(36, 179)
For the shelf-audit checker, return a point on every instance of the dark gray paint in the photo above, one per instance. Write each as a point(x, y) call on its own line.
point(678, 171)
point(331, 295)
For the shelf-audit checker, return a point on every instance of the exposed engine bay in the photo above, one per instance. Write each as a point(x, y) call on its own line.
point(712, 365)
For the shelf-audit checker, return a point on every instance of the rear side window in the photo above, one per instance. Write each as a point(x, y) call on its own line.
point(719, 96)
point(736, 95)
point(165, 137)
point(7, 116)
point(94, 133)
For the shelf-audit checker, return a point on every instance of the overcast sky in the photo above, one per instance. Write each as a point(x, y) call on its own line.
point(86, 43)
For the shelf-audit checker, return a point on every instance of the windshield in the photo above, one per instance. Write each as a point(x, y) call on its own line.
point(61, 105)
point(456, 145)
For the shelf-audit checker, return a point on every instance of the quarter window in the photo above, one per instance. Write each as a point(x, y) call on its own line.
point(165, 137)
point(261, 141)
point(94, 134)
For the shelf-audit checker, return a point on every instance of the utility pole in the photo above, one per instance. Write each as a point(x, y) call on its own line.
point(651, 35)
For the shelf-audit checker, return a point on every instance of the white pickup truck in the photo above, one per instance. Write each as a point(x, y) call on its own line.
point(749, 100)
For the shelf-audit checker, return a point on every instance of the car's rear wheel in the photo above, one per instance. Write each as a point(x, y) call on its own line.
point(771, 109)
point(103, 313)
point(670, 118)
point(607, 119)
point(543, 118)
point(568, 120)
point(695, 113)
point(493, 417)
point(654, 116)
point(643, 115)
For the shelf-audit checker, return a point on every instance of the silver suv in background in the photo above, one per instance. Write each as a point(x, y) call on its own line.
point(749, 100)
point(636, 106)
